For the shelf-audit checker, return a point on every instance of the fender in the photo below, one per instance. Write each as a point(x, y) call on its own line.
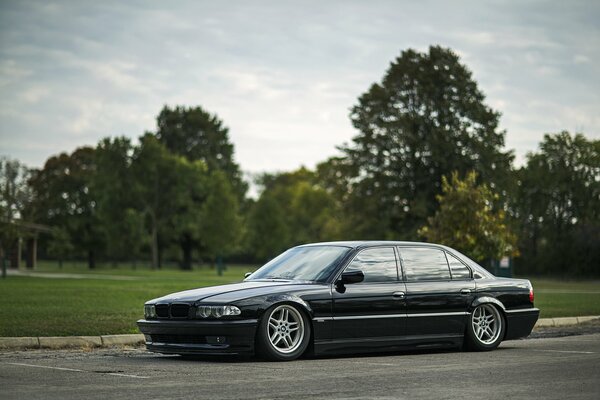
point(486, 299)
point(285, 298)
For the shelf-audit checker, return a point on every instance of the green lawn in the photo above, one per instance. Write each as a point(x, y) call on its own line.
point(34, 306)
point(103, 304)
point(560, 298)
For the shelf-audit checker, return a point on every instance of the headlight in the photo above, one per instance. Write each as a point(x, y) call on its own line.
point(216, 311)
point(149, 311)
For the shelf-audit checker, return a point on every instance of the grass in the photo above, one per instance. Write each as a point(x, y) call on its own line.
point(560, 298)
point(33, 306)
point(103, 304)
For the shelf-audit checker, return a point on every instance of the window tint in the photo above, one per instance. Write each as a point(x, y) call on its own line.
point(458, 269)
point(378, 265)
point(424, 264)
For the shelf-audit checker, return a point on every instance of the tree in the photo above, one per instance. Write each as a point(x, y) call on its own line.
point(60, 245)
point(15, 199)
point(558, 206)
point(63, 197)
point(298, 210)
point(198, 135)
point(121, 223)
point(267, 228)
point(168, 188)
point(424, 120)
point(467, 222)
point(220, 222)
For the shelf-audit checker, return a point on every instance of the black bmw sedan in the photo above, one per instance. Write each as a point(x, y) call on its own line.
point(343, 297)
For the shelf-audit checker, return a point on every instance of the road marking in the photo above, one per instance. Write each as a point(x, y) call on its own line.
point(375, 363)
point(127, 375)
point(566, 351)
point(47, 367)
point(78, 370)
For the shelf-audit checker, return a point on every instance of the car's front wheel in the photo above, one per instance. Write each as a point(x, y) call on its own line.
point(283, 333)
point(486, 328)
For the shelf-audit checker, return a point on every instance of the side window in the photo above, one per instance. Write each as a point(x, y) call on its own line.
point(457, 268)
point(378, 264)
point(424, 264)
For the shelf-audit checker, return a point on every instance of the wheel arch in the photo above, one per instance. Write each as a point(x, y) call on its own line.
point(487, 299)
point(491, 300)
point(297, 301)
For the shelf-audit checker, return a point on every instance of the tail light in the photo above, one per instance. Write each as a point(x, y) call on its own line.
point(531, 294)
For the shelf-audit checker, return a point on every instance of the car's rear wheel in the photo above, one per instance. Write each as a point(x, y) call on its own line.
point(486, 328)
point(283, 333)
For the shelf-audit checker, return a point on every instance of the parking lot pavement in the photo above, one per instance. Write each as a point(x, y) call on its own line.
point(566, 367)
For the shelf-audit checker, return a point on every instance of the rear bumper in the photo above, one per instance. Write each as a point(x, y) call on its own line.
point(520, 323)
point(199, 337)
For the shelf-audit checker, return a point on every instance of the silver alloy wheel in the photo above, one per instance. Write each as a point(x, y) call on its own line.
point(487, 323)
point(285, 329)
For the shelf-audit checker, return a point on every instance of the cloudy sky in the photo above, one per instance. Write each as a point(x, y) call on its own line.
point(281, 74)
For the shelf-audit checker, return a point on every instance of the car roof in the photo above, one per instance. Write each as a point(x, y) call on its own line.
point(369, 243)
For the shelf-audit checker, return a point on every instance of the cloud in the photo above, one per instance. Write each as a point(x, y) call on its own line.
point(281, 75)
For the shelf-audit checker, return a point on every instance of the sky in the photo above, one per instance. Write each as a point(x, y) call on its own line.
point(282, 75)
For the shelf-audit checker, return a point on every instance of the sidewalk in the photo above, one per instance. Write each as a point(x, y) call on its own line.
point(69, 342)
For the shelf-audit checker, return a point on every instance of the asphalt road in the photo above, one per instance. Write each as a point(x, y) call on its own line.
point(549, 368)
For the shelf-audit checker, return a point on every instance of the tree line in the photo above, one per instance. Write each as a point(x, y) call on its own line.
point(428, 162)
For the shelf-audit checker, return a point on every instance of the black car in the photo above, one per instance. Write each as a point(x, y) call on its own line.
point(342, 297)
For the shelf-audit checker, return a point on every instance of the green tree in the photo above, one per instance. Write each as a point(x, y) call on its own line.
point(120, 221)
point(467, 222)
point(300, 210)
point(198, 135)
point(220, 222)
point(267, 229)
point(424, 120)
point(60, 245)
point(558, 206)
point(15, 200)
point(168, 188)
point(63, 197)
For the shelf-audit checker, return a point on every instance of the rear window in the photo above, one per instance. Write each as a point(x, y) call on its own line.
point(458, 269)
point(424, 264)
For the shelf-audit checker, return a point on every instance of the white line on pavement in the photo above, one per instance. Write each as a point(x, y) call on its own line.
point(44, 366)
point(128, 376)
point(78, 370)
point(566, 351)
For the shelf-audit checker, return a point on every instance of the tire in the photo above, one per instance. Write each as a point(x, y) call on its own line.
point(283, 333)
point(486, 328)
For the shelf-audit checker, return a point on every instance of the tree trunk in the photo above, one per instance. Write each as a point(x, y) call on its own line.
point(91, 259)
point(186, 248)
point(155, 258)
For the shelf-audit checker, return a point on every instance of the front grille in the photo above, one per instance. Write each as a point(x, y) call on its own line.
point(180, 310)
point(162, 310)
point(179, 339)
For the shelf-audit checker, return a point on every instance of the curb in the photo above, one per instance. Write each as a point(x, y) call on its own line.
point(565, 321)
point(70, 342)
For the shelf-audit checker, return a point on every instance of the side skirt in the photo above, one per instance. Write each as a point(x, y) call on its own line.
point(392, 343)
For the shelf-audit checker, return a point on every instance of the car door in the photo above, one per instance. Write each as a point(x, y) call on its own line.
point(375, 307)
point(436, 304)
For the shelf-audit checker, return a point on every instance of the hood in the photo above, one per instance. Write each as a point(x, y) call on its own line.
point(234, 291)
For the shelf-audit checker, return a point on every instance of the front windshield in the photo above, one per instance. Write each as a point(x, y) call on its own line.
point(311, 263)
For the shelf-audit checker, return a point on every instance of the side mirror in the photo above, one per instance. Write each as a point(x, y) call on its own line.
point(247, 274)
point(352, 277)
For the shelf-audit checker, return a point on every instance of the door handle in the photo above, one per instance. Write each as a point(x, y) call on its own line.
point(398, 295)
point(465, 291)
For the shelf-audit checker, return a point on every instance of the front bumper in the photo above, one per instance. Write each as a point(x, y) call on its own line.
point(199, 337)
